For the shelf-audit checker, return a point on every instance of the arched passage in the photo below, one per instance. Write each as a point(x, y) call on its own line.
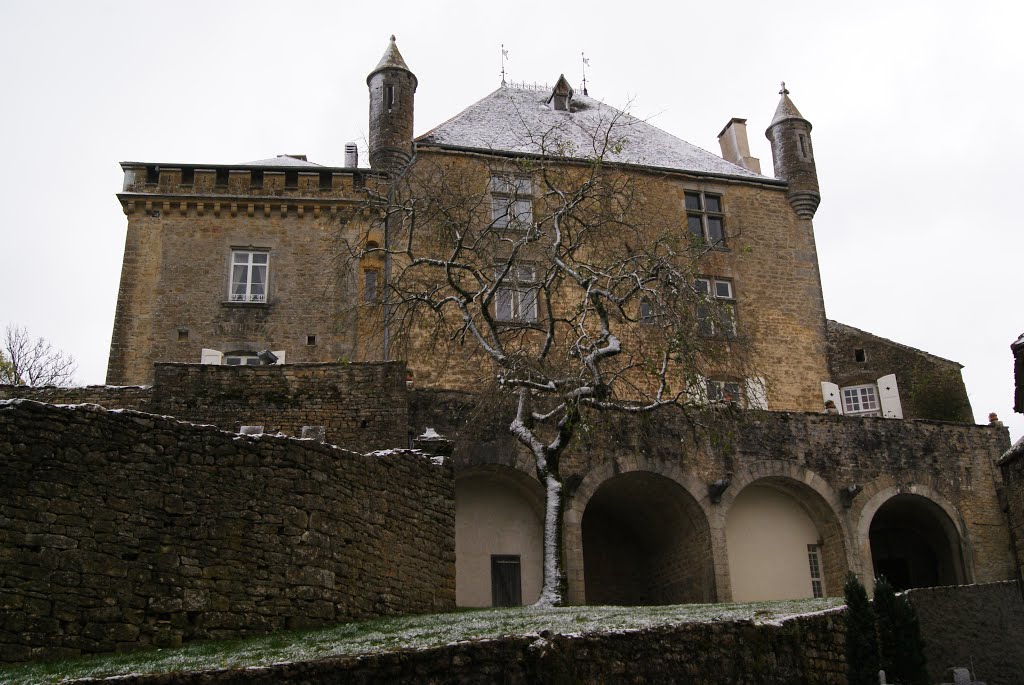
point(784, 542)
point(646, 541)
point(499, 537)
point(914, 543)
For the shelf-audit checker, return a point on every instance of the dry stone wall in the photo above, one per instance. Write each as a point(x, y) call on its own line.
point(361, 406)
point(980, 627)
point(807, 649)
point(123, 529)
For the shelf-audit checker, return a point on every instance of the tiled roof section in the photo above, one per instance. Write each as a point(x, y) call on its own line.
point(283, 160)
point(520, 121)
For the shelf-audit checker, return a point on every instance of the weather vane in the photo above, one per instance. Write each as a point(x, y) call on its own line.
point(586, 63)
point(504, 56)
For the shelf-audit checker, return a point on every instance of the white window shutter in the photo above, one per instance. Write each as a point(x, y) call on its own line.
point(889, 397)
point(757, 393)
point(698, 390)
point(214, 357)
point(280, 356)
point(830, 391)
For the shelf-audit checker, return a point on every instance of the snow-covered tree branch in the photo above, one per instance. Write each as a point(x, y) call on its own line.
point(24, 361)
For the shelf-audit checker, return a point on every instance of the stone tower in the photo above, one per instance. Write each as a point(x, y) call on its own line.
point(790, 135)
point(392, 87)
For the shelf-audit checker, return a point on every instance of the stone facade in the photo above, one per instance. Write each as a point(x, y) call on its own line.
point(930, 387)
point(1012, 467)
point(185, 223)
point(124, 529)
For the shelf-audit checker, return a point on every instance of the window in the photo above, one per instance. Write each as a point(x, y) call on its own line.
point(648, 312)
point(221, 178)
point(704, 217)
point(256, 179)
point(291, 179)
point(389, 96)
point(511, 202)
point(861, 399)
point(516, 296)
point(371, 285)
point(717, 314)
point(814, 559)
point(241, 359)
point(726, 392)
point(249, 275)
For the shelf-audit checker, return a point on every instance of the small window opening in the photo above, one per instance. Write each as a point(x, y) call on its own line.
point(291, 179)
point(188, 176)
point(389, 96)
point(152, 174)
point(860, 355)
point(222, 178)
point(182, 334)
point(326, 180)
point(256, 179)
point(370, 286)
point(311, 340)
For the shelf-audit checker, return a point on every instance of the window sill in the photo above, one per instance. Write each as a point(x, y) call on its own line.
point(245, 305)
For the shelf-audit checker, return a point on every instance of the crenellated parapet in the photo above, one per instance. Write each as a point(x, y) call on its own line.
point(248, 190)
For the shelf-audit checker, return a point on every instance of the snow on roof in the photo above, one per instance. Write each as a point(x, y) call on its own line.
point(520, 121)
point(284, 160)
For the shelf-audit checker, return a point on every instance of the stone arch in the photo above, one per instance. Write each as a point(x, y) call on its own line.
point(636, 532)
point(914, 536)
point(807, 511)
point(499, 519)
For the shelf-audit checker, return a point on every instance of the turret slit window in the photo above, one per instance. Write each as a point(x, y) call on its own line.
point(389, 96)
point(516, 296)
point(716, 313)
point(249, 272)
point(511, 202)
point(704, 217)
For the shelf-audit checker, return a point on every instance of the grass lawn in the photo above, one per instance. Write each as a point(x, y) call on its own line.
point(404, 632)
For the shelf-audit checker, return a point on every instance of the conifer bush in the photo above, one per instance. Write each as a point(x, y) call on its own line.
point(899, 637)
point(861, 640)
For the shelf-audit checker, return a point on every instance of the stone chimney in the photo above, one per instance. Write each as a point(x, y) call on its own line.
point(735, 147)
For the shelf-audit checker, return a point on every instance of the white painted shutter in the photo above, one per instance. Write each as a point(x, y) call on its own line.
point(280, 356)
point(211, 357)
point(757, 393)
point(889, 397)
point(698, 390)
point(830, 391)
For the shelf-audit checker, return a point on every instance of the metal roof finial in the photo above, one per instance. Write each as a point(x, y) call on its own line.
point(586, 63)
point(783, 91)
point(504, 56)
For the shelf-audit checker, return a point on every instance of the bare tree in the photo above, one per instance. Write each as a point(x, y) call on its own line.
point(24, 361)
point(570, 282)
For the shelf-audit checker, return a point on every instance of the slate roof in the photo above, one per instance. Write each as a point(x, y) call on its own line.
point(283, 160)
point(520, 121)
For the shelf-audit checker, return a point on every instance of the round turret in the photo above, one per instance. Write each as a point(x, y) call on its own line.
point(790, 136)
point(392, 87)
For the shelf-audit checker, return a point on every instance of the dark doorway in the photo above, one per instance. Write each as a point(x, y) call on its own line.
point(915, 544)
point(506, 583)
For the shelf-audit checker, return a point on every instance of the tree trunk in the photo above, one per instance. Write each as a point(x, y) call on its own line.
point(554, 590)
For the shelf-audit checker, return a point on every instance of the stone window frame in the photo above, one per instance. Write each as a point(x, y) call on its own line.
point(513, 193)
point(716, 390)
point(520, 291)
point(716, 316)
point(704, 212)
point(248, 297)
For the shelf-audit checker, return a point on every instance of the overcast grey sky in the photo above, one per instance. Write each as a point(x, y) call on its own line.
point(915, 107)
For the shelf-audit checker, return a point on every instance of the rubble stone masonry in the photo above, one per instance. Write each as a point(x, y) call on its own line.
point(123, 529)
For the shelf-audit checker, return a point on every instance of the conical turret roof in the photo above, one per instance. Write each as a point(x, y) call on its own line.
point(392, 59)
point(786, 109)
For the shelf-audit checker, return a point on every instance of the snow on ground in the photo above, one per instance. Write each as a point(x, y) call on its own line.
point(409, 632)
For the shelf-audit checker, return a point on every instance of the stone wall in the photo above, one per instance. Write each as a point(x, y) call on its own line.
point(124, 529)
point(930, 387)
point(980, 627)
point(1012, 467)
point(807, 649)
point(812, 457)
point(361, 406)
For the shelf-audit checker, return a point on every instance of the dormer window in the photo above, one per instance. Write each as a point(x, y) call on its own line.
point(561, 95)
